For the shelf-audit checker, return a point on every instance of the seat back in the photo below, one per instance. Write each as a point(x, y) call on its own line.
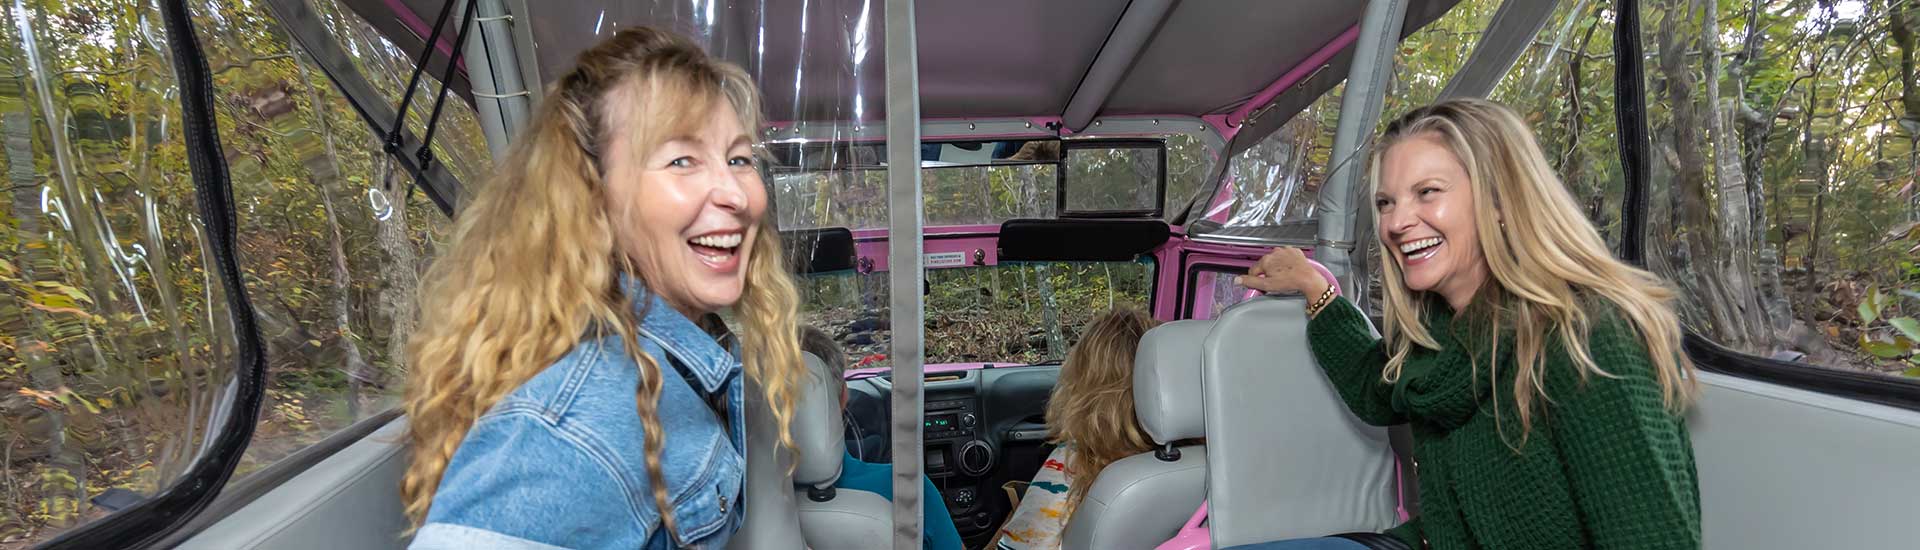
point(805, 502)
point(773, 515)
point(1141, 500)
point(1286, 457)
point(830, 519)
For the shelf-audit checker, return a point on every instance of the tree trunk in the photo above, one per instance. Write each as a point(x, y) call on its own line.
point(78, 205)
point(1905, 20)
point(1050, 313)
point(43, 370)
point(360, 374)
point(1814, 163)
point(32, 345)
point(401, 272)
point(1145, 169)
point(1735, 214)
point(1107, 269)
point(1026, 303)
point(1574, 161)
point(1756, 129)
point(1690, 201)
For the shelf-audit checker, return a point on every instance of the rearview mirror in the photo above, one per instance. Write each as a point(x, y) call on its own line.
point(1112, 179)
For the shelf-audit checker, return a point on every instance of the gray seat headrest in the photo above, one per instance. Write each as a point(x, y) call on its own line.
point(1167, 391)
point(817, 427)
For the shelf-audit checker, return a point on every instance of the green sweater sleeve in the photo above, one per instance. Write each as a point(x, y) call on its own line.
point(1628, 459)
point(1353, 359)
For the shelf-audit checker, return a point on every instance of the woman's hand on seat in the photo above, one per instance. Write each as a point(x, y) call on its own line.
point(1285, 269)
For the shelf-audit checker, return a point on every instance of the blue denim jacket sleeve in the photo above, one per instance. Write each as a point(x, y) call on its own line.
point(560, 463)
point(492, 484)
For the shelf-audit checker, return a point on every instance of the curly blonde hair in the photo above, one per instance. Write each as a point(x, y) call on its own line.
point(1092, 406)
point(533, 265)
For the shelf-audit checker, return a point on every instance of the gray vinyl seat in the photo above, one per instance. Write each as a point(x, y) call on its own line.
point(1287, 458)
point(805, 510)
point(1142, 500)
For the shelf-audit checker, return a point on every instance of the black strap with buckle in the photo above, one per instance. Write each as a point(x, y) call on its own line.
point(1375, 541)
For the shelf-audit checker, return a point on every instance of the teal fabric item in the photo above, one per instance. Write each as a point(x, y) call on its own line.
point(937, 530)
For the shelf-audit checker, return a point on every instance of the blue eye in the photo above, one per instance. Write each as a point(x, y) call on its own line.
point(740, 161)
point(682, 162)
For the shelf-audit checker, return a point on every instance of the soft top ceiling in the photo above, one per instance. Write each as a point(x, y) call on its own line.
point(823, 59)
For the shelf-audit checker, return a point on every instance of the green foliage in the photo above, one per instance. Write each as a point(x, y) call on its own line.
point(1815, 110)
point(116, 338)
point(1895, 340)
point(1870, 308)
point(1114, 178)
point(980, 314)
point(1907, 326)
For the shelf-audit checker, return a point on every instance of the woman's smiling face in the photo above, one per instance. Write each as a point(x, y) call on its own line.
point(687, 212)
point(1425, 206)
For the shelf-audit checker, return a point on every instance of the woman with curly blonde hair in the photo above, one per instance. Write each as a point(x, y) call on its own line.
point(1090, 418)
point(561, 393)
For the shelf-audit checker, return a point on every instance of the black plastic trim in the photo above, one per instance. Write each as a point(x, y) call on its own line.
point(1630, 117)
point(309, 32)
point(829, 249)
point(1873, 388)
point(821, 494)
point(141, 525)
point(1080, 240)
point(1167, 453)
point(1060, 186)
point(1190, 286)
point(881, 238)
point(1375, 541)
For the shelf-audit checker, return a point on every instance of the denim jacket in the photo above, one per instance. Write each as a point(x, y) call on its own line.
point(558, 463)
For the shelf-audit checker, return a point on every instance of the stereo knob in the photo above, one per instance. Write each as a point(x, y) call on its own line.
point(976, 457)
point(968, 420)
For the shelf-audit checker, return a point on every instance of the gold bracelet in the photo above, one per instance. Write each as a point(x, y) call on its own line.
point(1320, 303)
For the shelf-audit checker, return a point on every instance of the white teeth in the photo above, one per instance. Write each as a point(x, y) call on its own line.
point(715, 259)
point(729, 240)
point(1410, 247)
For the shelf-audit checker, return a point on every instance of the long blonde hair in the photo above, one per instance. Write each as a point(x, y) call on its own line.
point(533, 265)
point(1092, 405)
point(1546, 260)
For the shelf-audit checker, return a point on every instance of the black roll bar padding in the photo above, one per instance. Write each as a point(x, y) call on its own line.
point(406, 96)
point(1629, 91)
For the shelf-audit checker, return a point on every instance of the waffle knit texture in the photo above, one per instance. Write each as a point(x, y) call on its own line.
point(1605, 466)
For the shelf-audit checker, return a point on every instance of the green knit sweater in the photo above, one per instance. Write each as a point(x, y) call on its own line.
point(1605, 466)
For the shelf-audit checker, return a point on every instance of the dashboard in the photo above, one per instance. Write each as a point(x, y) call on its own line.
point(982, 428)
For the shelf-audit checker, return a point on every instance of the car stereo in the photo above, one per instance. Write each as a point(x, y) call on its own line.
point(950, 419)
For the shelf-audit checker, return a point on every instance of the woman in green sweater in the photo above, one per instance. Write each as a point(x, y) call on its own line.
point(1543, 378)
